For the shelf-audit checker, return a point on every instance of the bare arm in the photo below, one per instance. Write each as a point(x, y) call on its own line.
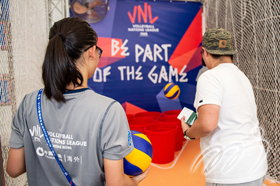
point(207, 121)
point(114, 174)
point(16, 162)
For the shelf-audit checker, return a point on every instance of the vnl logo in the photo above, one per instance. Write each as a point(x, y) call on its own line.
point(36, 133)
point(145, 20)
point(140, 13)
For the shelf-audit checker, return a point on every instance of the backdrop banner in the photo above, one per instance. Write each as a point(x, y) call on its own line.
point(146, 45)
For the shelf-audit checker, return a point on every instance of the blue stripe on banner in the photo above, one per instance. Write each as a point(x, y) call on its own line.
point(174, 95)
point(131, 169)
point(141, 145)
point(168, 88)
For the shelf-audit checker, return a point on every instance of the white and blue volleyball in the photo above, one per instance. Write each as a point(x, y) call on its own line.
point(140, 158)
point(171, 91)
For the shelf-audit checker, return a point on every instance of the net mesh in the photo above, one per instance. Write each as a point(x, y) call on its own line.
point(254, 25)
point(22, 43)
point(255, 28)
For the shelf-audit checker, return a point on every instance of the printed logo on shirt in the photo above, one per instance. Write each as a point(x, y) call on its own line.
point(129, 138)
point(201, 101)
point(36, 133)
point(58, 140)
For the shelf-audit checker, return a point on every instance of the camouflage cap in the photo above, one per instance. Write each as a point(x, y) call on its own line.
point(218, 41)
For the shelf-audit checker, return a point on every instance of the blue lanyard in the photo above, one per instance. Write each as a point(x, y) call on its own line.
point(40, 118)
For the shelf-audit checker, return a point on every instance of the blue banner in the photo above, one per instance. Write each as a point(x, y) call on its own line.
point(146, 45)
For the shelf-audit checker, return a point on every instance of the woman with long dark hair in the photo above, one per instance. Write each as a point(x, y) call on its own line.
point(66, 133)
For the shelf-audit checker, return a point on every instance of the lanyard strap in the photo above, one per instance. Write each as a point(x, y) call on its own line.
point(40, 118)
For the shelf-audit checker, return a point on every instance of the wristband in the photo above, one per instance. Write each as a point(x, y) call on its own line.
point(187, 137)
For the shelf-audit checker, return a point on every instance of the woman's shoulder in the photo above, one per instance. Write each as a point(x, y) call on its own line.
point(96, 97)
point(30, 97)
point(93, 100)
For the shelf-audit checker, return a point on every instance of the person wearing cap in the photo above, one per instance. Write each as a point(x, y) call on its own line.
point(227, 123)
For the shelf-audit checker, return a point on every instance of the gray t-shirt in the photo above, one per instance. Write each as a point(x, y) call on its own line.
point(83, 130)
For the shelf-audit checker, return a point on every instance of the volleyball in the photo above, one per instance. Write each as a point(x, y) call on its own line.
point(171, 91)
point(140, 158)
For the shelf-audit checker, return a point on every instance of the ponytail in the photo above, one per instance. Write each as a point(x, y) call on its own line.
point(67, 40)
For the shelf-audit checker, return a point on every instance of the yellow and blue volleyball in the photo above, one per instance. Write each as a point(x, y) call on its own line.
point(140, 158)
point(171, 91)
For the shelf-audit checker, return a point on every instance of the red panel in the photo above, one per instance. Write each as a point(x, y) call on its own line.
point(104, 61)
point(195, 61)
point(106, 45)
point(132, 109)
point(188, 45)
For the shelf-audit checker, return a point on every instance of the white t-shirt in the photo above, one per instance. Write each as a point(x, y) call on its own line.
point(233, 152)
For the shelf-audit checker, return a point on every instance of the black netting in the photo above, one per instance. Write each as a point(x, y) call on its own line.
point(255, 27)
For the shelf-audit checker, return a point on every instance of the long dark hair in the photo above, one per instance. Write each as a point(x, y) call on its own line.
point(67, 40)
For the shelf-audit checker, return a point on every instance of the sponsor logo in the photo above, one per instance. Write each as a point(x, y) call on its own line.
point(145, 14)
point(142, 20)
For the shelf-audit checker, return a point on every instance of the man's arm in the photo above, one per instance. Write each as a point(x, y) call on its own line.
point(114, 174)
point(206, 122)
point(16, 162)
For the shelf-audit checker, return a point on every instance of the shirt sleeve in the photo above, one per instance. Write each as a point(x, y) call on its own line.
point(18, 127)
point(116, 140)
point(208, 91)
